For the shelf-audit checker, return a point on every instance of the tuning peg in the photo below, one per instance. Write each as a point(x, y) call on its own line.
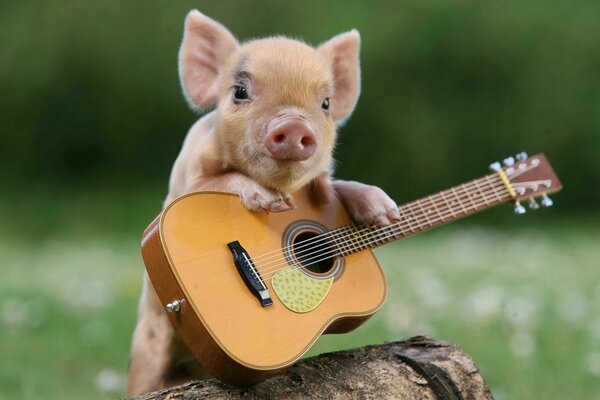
point(509, 161)
point(519, 209)
point(495, 166)
point(546, 201)
point(521, 156)
point(533, 205)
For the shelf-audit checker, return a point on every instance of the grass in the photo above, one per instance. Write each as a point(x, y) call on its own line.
point(525, 304)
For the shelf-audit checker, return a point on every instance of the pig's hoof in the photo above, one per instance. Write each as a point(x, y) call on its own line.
point(372, 206)
point(266, 200)
point(382, 218)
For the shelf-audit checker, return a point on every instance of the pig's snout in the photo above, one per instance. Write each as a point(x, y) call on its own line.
point(290, 138)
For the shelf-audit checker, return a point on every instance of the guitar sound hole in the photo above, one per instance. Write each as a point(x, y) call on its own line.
point(313, 254)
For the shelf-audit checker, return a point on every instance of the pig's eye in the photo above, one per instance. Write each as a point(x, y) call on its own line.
point(240, 93)
point(325, 105)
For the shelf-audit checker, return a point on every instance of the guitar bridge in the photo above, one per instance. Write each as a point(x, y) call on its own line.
point(250, 274)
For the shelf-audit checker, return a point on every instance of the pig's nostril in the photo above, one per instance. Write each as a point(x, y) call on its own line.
point(291, 139)
point(307, 141)
point(279, 138)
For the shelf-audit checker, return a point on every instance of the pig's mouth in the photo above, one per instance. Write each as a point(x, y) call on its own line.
point(282, 174)
point(265, 160)
point(287, 166)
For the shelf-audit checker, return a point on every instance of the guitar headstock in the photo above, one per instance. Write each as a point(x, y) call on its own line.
point(529, 178)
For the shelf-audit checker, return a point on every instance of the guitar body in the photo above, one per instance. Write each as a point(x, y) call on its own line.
point(235, 337)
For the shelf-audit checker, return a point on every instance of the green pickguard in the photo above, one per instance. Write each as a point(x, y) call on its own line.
point(299, 292)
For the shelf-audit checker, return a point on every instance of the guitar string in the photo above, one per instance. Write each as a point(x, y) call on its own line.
point(407, 222)
point(358, 247)
point(418, 216)
point(337, 234)
point(489, 188)
point(342, 232)
point(358, 237)
point(290, 268)
point(387, 233)
point(307, 241)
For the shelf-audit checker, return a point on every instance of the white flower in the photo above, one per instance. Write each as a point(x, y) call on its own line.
point(109, 381)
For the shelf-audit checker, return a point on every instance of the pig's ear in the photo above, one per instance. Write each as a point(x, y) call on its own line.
point(205, 47)
point(342, 52)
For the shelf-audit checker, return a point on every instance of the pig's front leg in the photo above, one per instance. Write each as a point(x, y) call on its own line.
point(367, 204)
point(253, 195)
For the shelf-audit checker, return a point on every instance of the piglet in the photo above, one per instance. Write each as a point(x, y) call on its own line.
point(273, 131)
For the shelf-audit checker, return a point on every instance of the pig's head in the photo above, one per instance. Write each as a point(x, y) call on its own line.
point(278, 100)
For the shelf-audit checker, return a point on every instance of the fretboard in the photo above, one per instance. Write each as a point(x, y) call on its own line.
point(423, 214)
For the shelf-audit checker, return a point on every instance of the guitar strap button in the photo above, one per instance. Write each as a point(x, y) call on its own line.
point(174, 306)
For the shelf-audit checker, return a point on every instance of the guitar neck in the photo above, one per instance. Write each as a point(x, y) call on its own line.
point(425, 213)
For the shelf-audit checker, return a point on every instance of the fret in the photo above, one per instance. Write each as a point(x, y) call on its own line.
point(337, 243)
point(414, 218)
point(424, 213)
point(399, 229)
point(436, 208)
point(448, 205)
point(419, 217)
point(337, 248)
point(373, 235)
point(469, 197)
point(485, 200)
point(360, 237)
point(453, 190)
point(403, 220)
point(396, 230)
point(389, 232)
point(343, 247)
point(370, 239)
point(380, 236)
point(354, 239)
point(406, 217)
point(346, 236)
point(492, 185)
point(349, 239)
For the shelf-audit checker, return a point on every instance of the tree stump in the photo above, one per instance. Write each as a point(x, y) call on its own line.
point(417, 368)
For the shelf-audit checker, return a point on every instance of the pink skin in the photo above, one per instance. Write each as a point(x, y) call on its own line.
point(290, 137)
point(276, 141)
point(370, 203)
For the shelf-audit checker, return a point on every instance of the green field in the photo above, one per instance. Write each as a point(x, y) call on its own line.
point(92, 118)
point(524, 303)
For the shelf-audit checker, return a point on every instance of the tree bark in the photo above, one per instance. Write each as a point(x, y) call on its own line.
point(418, 368)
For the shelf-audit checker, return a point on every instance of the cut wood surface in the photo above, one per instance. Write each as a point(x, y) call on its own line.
point(417, 368)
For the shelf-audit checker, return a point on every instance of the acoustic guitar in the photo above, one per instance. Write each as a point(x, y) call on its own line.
point(250, 293)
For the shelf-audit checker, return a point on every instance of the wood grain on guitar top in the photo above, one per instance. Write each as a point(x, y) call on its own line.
point(230, 333)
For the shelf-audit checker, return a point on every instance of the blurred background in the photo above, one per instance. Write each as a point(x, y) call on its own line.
point(93, 118)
